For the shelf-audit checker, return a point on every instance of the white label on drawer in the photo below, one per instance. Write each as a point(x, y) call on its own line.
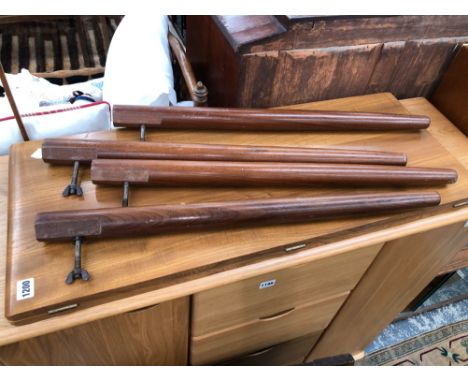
point(267, 284)
point(466, 224)
point(24, 289)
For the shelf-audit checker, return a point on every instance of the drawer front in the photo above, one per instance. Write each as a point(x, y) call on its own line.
point(246, 300)
point(265, 331)
point(288, 353)
point(156, 335)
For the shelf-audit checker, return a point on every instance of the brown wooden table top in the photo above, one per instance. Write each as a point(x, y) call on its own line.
point(123, 262)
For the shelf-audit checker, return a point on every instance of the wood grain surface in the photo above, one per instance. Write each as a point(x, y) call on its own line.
point(328, 32)
point(401, 270)
point(115, 268)
point(451, 96)
point(263, 332)
point(238, 174)
point(260, 120)
point(186, 251)
point(292, 287)
point(157, 335)
point(459, 261)
point(170, 218)
point(263, 61)
point(287, 353)
point(66, 151)
point(222, 64)
point(446, 133)
point(454, 141)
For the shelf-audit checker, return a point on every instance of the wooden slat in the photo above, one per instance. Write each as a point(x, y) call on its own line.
point(83, 39)
point(72, 46)
point(24, 46)
point(86, 72)
point(5, 53)
point(40, 50)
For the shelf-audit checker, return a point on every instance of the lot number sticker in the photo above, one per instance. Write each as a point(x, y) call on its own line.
point(24, 289)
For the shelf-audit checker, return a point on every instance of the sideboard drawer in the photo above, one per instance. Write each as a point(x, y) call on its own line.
point(287, 353)
point(154, 335)
point(246, 300)
point(265, 331)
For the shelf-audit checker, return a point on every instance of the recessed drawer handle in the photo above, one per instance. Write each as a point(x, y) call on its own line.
point(263, 351)
point(277, 315)
point(142, 309)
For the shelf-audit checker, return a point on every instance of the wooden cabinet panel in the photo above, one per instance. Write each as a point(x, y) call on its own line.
point(265, 61)
point(264, 332)
point(451, 96)
point(300, 75)
point(246, 300)
point(157, 335)
point(410, 68)
point(288, 353)
point(213, 60)
point(401, 270)
point(287, 77)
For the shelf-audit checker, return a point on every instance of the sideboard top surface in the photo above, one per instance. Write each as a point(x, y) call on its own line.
point(116, 266)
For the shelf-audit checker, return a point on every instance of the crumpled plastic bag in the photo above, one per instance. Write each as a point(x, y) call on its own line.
point(32, 92)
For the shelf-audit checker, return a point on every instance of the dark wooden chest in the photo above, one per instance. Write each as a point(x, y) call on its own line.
point(263, 61)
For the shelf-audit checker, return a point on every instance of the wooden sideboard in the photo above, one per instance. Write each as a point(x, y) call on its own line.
point(266, 61)
point(334, 285)
point(302, 301)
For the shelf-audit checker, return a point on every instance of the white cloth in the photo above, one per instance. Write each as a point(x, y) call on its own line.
point(46, 111)
point(138, 66)
point(56, 121)
point(32, 92)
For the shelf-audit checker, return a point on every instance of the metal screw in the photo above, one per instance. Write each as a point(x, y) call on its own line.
point(78, 272)
point(73, 188)
point(461, 204)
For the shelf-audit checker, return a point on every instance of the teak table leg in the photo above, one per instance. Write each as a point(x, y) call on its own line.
point(400, 271)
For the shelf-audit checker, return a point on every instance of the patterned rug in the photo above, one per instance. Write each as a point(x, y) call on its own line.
point(447, 346)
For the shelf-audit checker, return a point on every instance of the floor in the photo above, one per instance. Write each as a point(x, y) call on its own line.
point(426, 321)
